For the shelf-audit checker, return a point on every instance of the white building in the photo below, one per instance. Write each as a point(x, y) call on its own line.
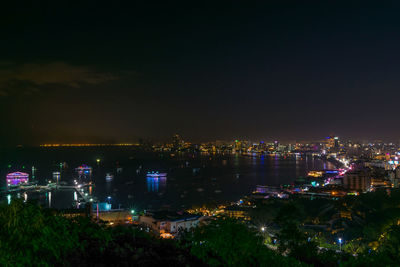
point(169, 222)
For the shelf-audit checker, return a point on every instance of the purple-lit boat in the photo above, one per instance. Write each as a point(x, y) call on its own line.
point(17, 178)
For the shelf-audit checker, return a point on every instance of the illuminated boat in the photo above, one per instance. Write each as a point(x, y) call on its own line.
point(156, 174)
point(109, 177)
point(17, 178)
point(84, 171)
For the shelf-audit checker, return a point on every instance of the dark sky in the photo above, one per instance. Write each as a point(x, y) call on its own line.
point(283, 70)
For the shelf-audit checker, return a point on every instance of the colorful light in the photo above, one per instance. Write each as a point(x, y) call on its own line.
point(16, 178)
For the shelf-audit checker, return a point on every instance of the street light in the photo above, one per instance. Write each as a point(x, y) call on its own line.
point(263, 229)
point(132, 211)
point(340, 243)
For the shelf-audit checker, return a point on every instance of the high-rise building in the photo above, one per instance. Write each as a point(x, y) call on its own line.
point(56, 177)
point(330, 142)
point(336, 143)
point(177, 142)
point(262, 145)
point(359, 180)
point(238, 146)
point(276, 145)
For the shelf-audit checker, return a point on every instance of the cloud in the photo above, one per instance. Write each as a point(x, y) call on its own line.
point(29, 77)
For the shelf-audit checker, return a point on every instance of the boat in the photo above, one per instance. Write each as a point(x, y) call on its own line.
point(156, 174)
point(109, 177)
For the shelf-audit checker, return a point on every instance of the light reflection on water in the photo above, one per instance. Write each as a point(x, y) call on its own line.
point(156, 184)
point(189, 181)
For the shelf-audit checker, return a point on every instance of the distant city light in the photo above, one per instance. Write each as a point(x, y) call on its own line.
point(86, 145)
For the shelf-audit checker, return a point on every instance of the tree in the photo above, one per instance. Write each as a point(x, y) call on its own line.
point(30, 235)
point(226, 242)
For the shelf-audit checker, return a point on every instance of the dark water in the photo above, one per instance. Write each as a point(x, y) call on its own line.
point(192, 179)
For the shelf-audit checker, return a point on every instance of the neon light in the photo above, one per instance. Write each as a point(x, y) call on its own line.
point(16, 178)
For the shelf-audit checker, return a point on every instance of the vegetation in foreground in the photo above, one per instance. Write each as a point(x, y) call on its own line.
point(31, 235)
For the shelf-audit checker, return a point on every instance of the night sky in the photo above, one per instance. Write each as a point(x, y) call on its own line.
point(116, 73)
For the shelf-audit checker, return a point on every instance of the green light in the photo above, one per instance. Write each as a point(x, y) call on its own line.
point(23, 167)
point(9, 165)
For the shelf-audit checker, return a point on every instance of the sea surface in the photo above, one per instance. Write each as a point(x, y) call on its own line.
point(191, 179)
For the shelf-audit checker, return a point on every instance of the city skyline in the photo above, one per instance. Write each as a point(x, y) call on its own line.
point(115, 74)
point(200, 134)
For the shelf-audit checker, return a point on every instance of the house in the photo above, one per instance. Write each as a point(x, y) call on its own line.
point(169, 222)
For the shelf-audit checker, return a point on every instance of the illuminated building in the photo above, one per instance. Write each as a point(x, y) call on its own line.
point(276, 145)
point(263, 146)
point(103, 206)
point(169, 222)
point(394, 177)
point(378, 182)
point(237, 212)
point(177, 142)
point(330, 142)
point(112, 217)
point(238, 146)
point(315, 173)
point(16, 178)
point(56, 176)
point(357, 180)
point(336, 142)
point(33, 172)
point(291, 147)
